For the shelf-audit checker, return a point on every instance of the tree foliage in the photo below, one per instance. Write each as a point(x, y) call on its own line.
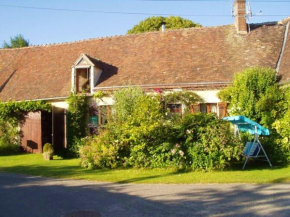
point(282, 124)
point(154, 24)
point(125, 101)
point(254, 94)
point(16, 41)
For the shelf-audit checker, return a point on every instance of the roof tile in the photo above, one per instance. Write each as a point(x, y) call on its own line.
point(166, 58)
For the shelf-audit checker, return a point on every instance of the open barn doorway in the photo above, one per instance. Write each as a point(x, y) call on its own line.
point(59, 129)
point(38, 128)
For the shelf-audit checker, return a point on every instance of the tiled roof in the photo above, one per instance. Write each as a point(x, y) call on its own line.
point(284, 69)
point(197, 55)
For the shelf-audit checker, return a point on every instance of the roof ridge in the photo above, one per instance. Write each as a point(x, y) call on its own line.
point(117, 36)
point(285, 20)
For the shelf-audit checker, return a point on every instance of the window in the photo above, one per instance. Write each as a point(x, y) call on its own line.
point(203, 108)
point(212, 108)
point(98, 116)
point(83, 80)
point(218, 108)
point(175, 108)
point(208, 108)
point(104, 114)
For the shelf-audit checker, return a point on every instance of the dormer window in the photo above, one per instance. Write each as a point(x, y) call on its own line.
point(85, 74)
point(83, 80)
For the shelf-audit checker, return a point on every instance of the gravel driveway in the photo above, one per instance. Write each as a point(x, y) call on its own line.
point(31, 196)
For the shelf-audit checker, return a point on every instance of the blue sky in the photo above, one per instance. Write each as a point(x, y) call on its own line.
point(56, 26)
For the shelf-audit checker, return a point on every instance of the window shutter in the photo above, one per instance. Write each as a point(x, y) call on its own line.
point(194, 108)
point(222, 109)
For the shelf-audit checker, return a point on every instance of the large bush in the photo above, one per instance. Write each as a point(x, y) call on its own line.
point(281, 125)
point(102, 151)
point(256, 95)
point(9, 138)
point(209, 142)
point(141, 135)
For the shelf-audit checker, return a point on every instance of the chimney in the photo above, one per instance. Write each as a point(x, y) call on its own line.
point(240, 16)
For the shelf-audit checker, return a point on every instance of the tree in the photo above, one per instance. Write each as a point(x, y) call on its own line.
point(16, 41)
point(254, 94)
point(154, 24)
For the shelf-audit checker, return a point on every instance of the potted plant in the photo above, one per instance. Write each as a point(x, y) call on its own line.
point(48, 151)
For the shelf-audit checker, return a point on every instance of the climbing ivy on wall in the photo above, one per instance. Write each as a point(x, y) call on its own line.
point(12, 109)
point(77, 120)
point(11, 113)
point(185, 97)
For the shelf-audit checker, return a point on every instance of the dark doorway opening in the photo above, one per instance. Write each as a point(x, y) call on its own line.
point(46, 127)
point(59, 117)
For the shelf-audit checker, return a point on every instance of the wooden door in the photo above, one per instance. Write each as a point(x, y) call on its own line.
point(31, 133)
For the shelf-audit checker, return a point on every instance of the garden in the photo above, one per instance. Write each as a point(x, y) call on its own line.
point(142, 136)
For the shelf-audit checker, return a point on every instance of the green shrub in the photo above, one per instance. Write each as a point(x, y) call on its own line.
point(48, 151)
point(8, 149)
point(137, 122)
point(101, 151)
point(125, 101)
point(216, 148)
point(141, 135)
point(48, 148)
point(254, 94)
point(8, 138)
point(281, 125)
point(209, 141)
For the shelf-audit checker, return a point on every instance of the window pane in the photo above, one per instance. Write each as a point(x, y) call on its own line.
point(213, 108)
point(175, 108)
point(203, 108)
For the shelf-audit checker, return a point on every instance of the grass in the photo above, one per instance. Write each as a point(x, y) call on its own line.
point(34, 164)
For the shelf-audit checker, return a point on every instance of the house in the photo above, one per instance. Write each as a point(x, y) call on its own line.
point(202, 60)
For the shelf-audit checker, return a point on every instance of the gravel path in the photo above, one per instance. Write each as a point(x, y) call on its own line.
point(31, 196)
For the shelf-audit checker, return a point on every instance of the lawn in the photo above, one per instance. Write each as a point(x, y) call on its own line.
point(33, 164)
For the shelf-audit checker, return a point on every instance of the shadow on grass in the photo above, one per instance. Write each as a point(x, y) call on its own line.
point(254, 165)
point(69, 168)
point(282, 180)
point(76, 172)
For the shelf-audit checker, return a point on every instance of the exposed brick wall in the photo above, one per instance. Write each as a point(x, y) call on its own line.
point(240, 16)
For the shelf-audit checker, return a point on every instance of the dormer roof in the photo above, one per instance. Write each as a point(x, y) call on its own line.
point(83, 61)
